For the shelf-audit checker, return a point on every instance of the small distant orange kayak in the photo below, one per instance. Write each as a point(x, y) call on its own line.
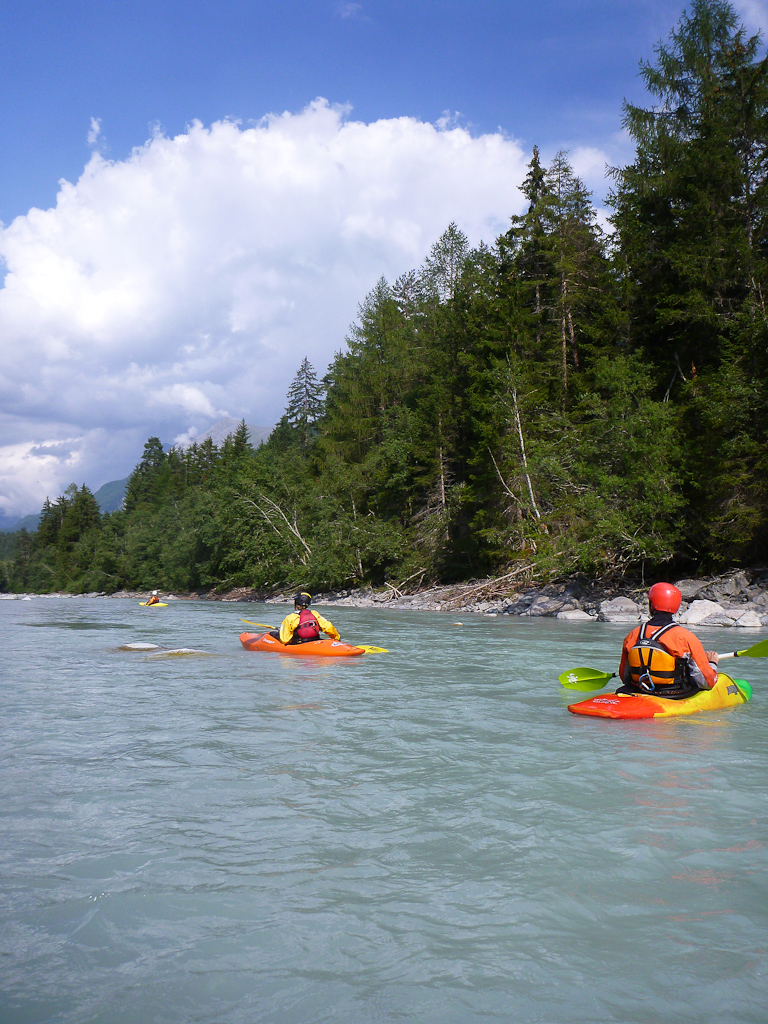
point(312, 648)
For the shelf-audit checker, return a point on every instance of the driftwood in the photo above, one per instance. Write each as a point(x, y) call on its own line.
point(459, 595)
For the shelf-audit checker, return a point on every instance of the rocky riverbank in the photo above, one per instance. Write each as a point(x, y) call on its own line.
point(737, 599)
point(734, 599)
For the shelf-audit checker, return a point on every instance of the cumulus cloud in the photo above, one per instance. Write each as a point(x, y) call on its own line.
point(754, 14)
point(188, 281)
point(95, 131)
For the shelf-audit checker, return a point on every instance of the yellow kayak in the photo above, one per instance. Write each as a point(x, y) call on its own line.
point(157, 604)
point(726, 693)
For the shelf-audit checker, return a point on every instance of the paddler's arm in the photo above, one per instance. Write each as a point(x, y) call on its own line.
point(703, 665)
point(327, 627)
point(287, 627)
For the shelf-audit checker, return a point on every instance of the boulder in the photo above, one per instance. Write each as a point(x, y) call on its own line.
point(520, 605)
point(698, 611)
point(575, 615)
point(748, 619)
point(690, 589)
point(619, 609)
point(549, 606)
point(718, 619)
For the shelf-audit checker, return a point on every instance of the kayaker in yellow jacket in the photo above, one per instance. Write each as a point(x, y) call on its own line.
point(302, 624)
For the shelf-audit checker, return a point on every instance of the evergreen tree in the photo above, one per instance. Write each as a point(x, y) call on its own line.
point(691, 209)
point(146, 482)
point(691, 220)
point(305, 402)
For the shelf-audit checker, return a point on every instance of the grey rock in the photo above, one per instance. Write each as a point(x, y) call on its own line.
point(575, 615)
point(717, 619)
point(690, 589)
point(548, 606)
point(520, 605)
point(746, 619)
point(619, 609)
point(699, 612)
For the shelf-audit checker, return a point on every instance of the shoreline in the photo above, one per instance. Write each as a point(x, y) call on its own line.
point(738, 598)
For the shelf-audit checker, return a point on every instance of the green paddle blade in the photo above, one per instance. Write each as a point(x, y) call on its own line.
point(758, 650)
point(585, 679)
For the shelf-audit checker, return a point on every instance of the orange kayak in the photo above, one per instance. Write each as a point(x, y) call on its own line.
point(726, 693)
point(314, 648)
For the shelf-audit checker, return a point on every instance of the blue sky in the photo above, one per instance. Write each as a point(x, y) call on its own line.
point(552, 72)
point(195, 195)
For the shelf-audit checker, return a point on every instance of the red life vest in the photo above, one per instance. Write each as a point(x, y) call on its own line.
point(308, 627)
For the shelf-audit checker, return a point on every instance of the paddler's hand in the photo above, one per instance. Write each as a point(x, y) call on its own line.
point(712, 656)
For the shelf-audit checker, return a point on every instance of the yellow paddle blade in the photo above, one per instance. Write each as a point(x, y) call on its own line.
point(263, 625)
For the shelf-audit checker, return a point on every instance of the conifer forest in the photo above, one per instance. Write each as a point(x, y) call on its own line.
point(571, 399)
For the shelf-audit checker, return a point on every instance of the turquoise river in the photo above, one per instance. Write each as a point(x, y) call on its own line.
point(421, 836)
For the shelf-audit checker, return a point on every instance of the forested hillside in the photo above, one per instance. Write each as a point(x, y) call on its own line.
point(564, 400)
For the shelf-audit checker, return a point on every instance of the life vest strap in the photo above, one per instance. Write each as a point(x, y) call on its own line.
point(641, 667)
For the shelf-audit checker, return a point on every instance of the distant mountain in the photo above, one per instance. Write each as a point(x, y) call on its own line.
point(110, 496)
point(9, 524)
point(29, 523)
point(221, 430)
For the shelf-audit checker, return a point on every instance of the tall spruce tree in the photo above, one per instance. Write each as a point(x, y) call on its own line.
point(305, 402)
point(691, 208)
point(691, 214)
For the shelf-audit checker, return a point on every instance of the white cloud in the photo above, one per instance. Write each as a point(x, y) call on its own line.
point(37, 464)
point(754, 14)
point(589, 163)
point(349, 10)
point(95, 131)
point(190, 279)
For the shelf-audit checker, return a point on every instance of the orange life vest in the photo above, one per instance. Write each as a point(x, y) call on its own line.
point(652, 665)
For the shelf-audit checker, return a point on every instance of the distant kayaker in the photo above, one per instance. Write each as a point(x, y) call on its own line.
point(662, 657)
point(154, 599)
point(303, 625)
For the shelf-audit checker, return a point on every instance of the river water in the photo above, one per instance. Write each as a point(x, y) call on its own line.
point(420, 836)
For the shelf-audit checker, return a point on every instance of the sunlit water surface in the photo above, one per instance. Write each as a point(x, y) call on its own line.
point(425, 835)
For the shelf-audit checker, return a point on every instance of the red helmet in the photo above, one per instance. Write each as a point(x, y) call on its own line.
point(664, 597)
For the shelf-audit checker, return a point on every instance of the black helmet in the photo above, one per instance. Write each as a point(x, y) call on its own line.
point(302, 600)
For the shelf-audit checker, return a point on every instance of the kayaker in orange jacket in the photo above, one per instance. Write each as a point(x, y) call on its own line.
point(662, 657)
point(154, 599)
point(302, 624)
